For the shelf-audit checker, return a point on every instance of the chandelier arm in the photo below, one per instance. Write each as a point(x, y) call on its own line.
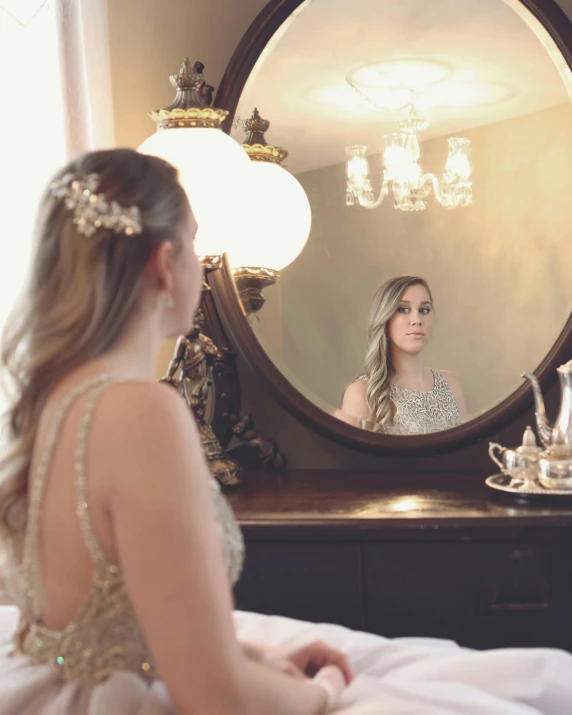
point(450, 199)
point(371, 204)
point(433, 182)
point(384, 191)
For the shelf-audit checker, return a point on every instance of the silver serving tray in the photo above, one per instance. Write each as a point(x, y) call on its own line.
point(503, 483)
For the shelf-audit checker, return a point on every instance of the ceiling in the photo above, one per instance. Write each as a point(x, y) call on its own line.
point(299, 83)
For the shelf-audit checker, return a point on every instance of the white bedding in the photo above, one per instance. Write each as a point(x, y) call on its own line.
point(402, 676)
point(425, 676)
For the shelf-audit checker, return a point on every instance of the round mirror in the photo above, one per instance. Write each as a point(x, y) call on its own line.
point(433, 142)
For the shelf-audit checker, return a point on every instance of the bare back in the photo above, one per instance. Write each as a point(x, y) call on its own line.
point(103, 557)
point(66, 566)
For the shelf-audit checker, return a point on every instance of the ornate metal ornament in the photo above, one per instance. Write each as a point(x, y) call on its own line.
point(193, 372)
point(192, 104)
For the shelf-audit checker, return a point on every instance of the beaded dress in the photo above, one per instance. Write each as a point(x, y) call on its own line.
point(418, 412)
point(104, 637)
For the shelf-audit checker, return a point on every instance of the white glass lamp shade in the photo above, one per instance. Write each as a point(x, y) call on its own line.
point(213, 170)
point(397, 155)
point(400, 159)
point(357, 167)
point(279, 220)
point(358, 184)
point(458, 160)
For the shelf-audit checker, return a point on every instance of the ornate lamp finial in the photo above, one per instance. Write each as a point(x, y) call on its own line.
point(192, 89)
point(192, 104)
point(255, 144)
point(255, 128)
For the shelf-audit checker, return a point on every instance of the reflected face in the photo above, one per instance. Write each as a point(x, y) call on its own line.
point(188, 277)
point(409, 328)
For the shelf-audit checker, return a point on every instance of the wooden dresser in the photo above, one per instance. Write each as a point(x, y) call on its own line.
point(386, 554)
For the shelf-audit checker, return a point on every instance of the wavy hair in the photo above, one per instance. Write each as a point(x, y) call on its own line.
point(378, 369)
point(80, 296)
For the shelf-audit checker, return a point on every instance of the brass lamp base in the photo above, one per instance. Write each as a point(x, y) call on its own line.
point(190, 373)
point(250, 282)
point(224, 469)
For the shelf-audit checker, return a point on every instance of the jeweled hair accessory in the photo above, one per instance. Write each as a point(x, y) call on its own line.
point(92, 210)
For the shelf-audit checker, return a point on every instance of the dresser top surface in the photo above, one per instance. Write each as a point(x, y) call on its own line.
point(364, 500)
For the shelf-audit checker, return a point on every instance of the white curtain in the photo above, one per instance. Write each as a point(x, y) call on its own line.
point(85, 74)
point(55, 102)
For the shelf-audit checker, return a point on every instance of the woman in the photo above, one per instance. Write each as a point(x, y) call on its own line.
point(121, 574)
point(397, 393)
point(124, 549)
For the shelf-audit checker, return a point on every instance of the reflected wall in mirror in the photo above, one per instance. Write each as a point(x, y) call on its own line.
point(495, 266)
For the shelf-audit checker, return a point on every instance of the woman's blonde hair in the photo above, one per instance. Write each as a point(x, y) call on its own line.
point(377, 365)
point(81, 294)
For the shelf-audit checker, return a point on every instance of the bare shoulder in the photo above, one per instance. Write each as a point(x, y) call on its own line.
point(354, 402)
point(356, 389)
point(134, 395)
point(144, 427)
point(139, 404)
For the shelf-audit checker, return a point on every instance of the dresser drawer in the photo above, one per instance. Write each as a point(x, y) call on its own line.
point(482, 595)
point(312, 582)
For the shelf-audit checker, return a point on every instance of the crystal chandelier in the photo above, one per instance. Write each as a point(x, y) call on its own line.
point(403, 175)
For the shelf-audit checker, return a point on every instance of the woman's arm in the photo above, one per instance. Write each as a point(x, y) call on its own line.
point(160, 503)
point(354, 404)
point(348, 419)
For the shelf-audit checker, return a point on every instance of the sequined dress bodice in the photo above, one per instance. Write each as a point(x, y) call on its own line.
point(105, 636)
point(419, 412)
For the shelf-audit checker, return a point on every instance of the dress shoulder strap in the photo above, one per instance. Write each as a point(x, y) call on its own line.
point(94, 549)
point(440, 380)
point(31, 552)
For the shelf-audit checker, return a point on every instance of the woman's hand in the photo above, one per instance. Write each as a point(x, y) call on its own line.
point(333, 681)
point(313, 657)
point(300, 661)
point(272, 657)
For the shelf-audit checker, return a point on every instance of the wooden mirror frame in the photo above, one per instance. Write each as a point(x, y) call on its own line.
point(245, 342)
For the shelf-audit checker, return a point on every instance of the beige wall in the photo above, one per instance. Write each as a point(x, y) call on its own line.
point(150, 38)
point(499, 270)
point(148, 41)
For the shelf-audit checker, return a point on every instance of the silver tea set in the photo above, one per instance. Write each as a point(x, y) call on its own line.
point(531, 469)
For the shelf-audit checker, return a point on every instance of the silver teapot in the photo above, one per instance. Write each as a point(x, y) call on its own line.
point(520, 464)
point(555, 473)
point(557, 437)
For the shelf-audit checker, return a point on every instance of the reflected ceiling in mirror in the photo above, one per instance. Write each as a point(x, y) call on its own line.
point(342, 73)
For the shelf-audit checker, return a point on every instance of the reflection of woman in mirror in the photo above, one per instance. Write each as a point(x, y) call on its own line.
point(397, 393)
